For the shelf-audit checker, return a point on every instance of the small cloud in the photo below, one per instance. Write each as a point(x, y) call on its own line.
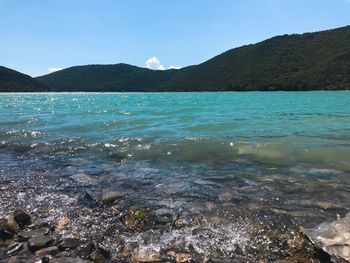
point(54, 69)
point(154, 63)
point(176, 67)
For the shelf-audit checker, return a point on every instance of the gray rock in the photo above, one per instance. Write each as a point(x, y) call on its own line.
point(22, 218)
point(38, 242)
point(333, 238)
point(69, 244)
point(84, 179)
point(164, 215)
point(25, 235)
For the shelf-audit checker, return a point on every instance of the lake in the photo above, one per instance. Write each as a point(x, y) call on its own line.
point(215, 172)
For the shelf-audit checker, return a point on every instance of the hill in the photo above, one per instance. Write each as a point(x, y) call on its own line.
point(11, 81)
point(311, 61)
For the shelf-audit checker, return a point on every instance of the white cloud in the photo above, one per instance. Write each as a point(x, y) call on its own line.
point(54, 69)
point(154, 63)
point(176, 67)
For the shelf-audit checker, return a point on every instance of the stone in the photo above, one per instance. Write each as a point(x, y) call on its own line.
point(181, 257)
point(22, 218)
point(47, 251)
point(13, 224)
point(141, 257)
point(25, 235)
point(135, 220)
point(84, 179)
point(14, 248)
point(163, 216)
point(68, 260)
point(69, 244)
point(83, 251)
point(97, 257)
point(38, 242)
point(111, 196)
point(61, 224)
point(5, 230)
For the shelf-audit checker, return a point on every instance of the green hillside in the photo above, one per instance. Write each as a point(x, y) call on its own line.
point(311, 61)
point(11, 80)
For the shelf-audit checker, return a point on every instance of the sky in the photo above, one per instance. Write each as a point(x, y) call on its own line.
point(41, 36)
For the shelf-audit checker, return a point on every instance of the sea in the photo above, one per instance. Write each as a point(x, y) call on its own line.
point(224, 173)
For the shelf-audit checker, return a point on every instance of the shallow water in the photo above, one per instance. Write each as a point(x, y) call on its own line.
point(279, 157)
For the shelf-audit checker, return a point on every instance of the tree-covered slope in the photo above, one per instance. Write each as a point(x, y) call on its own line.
point(11, 80)
point(311, 61)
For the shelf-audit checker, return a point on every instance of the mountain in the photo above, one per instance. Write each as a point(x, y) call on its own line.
point(11, 80)
point(310, 61)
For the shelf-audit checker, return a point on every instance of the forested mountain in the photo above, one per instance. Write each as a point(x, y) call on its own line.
point(311, 61)
point(11, 80)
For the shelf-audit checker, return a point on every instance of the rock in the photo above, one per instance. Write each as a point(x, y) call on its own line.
point(25, 235)
point(141, 257)
point(61, 224)
point(180, 222)
point(22, 218)
point(14, 248)
point(84, 179)
point(332, 238)
point(38, 242)
point(163, 216)
point(136, 220)
point(111, 196)
point(100, 255)
point(48, 251)
point(68, 260)
point(13, 224)
point(5, 230)
point(83, 251)
point(69, 244)
point(181, 257)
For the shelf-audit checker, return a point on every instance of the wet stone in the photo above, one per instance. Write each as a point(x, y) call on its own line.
point(141, 257)
point(22, 218)
point(14, 248)
point(163, 216)
point(5, 230)
point(111, 196)
point(13, 224)
point(48, 251)
point(69, 244)
point(25, 235)
point(38, 242)
point(68, 260)
point(83, 251)
point(136, 220)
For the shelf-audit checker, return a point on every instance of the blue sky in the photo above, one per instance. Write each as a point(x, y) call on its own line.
point(38, 35)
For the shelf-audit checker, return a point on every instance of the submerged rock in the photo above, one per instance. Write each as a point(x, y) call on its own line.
point(48, 251)
point(136, 220)
point(14, 248)
point(112, 196)
point(25, 235)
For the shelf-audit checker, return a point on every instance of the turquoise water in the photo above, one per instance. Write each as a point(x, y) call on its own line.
point(258, 154)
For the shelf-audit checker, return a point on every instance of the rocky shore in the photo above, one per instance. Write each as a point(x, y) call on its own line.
point(27, 239)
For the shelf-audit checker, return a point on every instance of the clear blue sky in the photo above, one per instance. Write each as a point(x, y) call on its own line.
point(36, 35)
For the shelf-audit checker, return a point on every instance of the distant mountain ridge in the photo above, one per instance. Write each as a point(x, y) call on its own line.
point(14, 81)
point(310, 61)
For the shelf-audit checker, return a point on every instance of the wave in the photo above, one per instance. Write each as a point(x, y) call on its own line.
point(192, 150)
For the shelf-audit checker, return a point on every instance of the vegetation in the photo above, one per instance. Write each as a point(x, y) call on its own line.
point(311, 61)
point(11, 80)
